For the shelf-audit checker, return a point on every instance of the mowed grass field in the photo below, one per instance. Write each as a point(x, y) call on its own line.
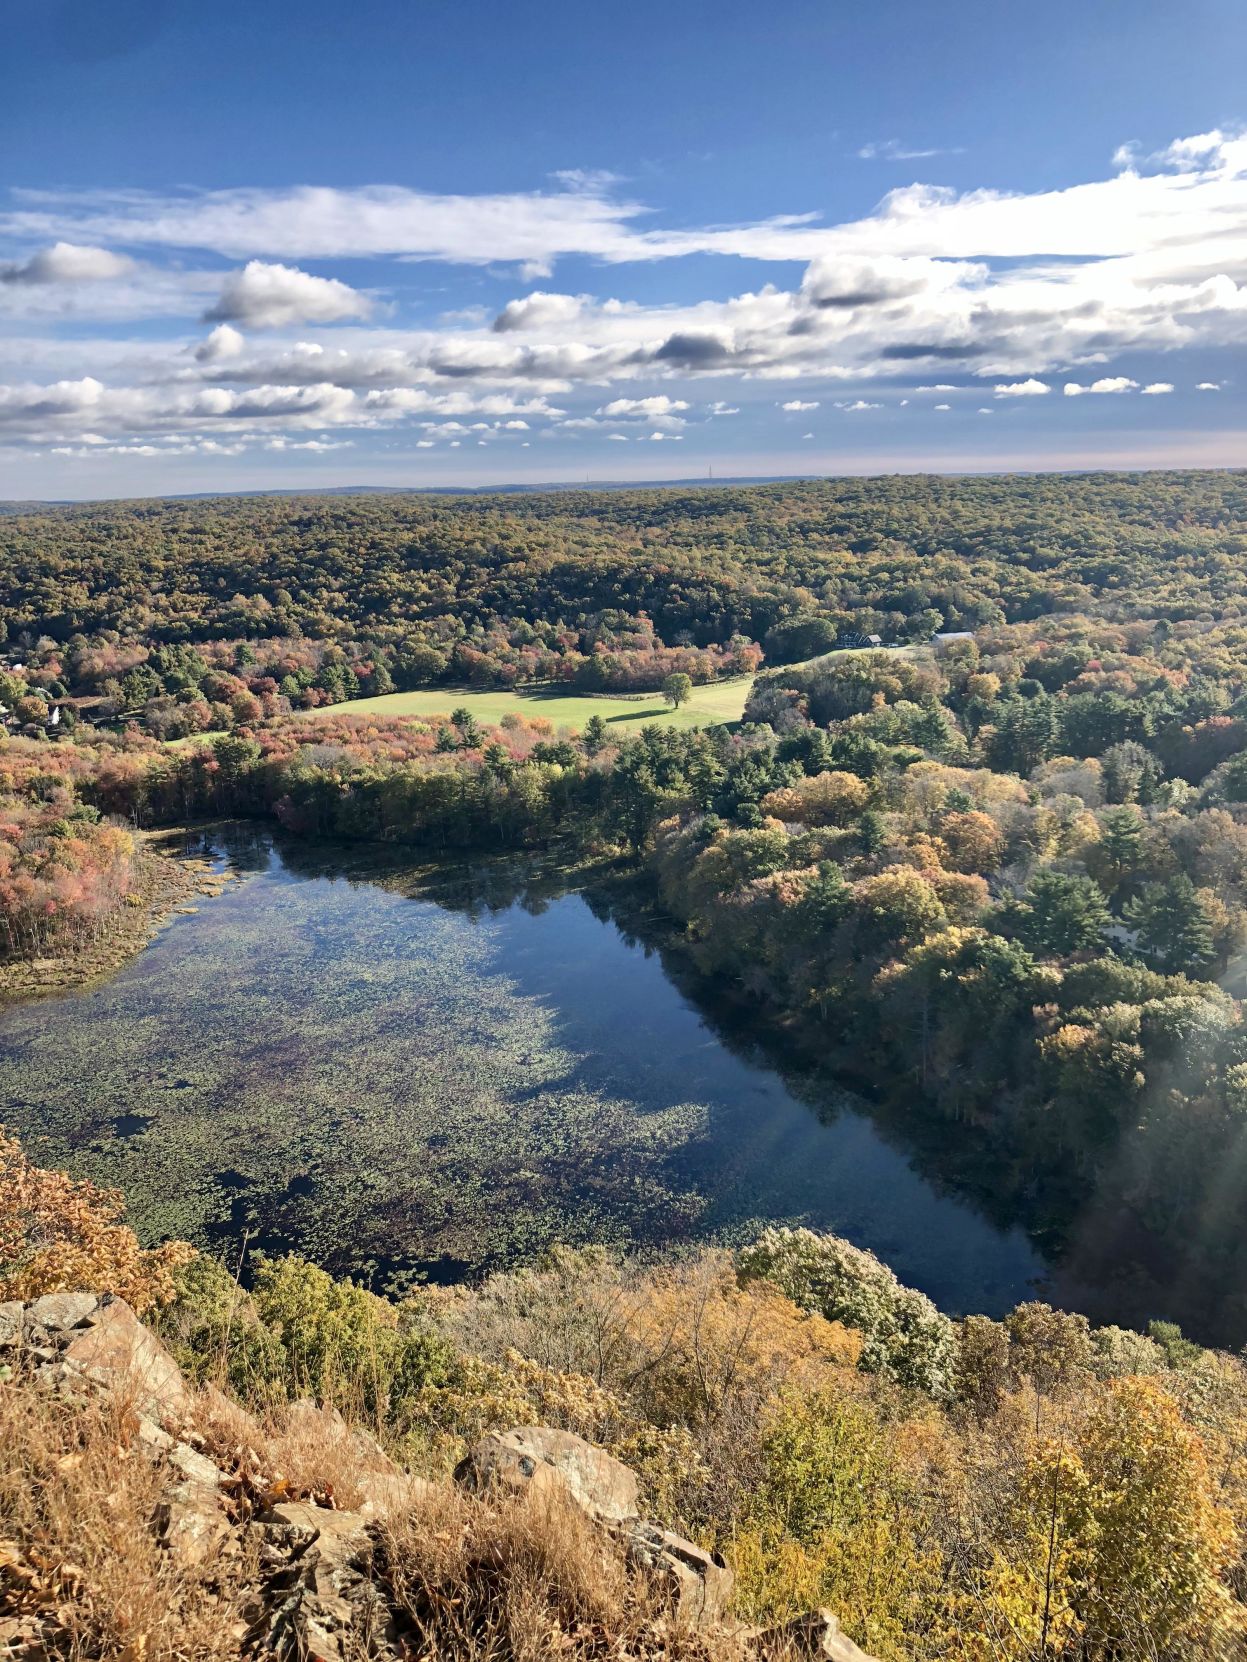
point(719, 701)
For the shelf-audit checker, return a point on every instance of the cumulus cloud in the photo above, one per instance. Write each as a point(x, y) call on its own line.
point(224, 342)
point(1208, 386)
point(539, 310)
point(1107, 384)
point(1154, 388)
point(1012, 292)
point(800, 404)
point(263, 296)
point(857, 404)
point(643, 408)
point(68, 262)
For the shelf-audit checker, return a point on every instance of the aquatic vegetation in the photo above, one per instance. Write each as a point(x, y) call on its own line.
point(422, 1070)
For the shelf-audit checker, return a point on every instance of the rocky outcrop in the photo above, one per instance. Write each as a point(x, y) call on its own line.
point(549, 1463)
point(696, 1584)
point(322, 1598)
point(559, 1466)
point(323, 1592)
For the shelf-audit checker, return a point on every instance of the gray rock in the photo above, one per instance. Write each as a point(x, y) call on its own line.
point(117, 1352)
point(699, 1584)
point(328, 1597)
point(12, 1312)
point(60, 1311)
point(549, 1463)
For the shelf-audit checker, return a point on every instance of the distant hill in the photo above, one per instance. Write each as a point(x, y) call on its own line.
point(30, 507)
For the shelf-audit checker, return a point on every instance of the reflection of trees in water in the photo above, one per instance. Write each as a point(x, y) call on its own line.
point(247, 845)
point(477, 888)
point(963, 1168)
point(1106, 1260)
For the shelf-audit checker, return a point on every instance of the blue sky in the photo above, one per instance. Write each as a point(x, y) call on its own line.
point(244, 246)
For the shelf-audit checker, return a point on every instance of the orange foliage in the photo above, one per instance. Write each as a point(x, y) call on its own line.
point(60, 1235)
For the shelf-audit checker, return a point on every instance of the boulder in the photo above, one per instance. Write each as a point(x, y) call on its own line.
point(61, 1311)
point(698, 1583)
point(816, 1637)
point(322, 1596)
point(547, 1463)
point(113, 1349)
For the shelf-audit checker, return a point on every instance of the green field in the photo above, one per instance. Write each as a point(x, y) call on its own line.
point(716, 702)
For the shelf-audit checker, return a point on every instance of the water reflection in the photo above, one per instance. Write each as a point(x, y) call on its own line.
point(401, 1067)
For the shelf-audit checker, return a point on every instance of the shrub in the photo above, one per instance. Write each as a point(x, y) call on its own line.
point(59, 1234)
point(904, 1336)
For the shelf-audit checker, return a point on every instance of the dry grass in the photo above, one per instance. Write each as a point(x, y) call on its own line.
point(80, 1559)
point(299, 1452)
point(524, 1579)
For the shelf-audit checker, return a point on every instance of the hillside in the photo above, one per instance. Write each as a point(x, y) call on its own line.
point(591, 1458)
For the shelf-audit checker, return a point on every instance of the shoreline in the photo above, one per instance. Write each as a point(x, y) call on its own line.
point(165, 885)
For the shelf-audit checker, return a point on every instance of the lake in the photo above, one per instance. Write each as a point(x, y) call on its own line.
point(403, 1070)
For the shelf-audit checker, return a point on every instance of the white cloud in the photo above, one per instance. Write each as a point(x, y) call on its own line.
point(858, 404)
point(619, 438)
point(800, 404)
point(1154, 388)
point(807, 435)
point(1208, 386)
point(221, 343)
point(645, 409)
point(892, 150)
point(1023, 389)
point(264, 296)
point(943, 406)
point(1005, 291)
point(539, 311)
point(68, 262)
point(1107, 384)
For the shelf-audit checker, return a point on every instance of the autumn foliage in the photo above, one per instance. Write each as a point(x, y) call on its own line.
point(61, 1234)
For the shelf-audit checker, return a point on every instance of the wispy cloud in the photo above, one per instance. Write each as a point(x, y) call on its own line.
point(893, 150)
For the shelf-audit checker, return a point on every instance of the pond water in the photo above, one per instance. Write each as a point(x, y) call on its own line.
point(396, 1069)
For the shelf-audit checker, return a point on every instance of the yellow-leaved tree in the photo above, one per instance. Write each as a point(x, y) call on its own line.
point(1113, 1544)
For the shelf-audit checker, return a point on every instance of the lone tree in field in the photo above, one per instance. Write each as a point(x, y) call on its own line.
point(677, 689)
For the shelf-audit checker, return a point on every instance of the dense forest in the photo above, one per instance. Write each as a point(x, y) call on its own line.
point(194, 616)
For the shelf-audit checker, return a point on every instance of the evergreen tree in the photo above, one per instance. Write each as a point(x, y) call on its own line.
point(1172, 927)
point(1064, 914)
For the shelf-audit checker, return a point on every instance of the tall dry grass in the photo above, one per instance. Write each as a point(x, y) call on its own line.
point(80, 1556)
point(523, 1579)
